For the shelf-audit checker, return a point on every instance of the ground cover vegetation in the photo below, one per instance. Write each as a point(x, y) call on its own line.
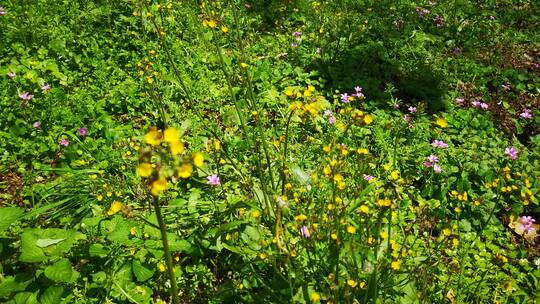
point(272, 151)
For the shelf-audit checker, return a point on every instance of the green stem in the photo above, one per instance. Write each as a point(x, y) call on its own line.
point(167, 252)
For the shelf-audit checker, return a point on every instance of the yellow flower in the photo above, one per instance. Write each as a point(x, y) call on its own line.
point(396, 265)
point(133, 231)
point(441, 122)
point(368, 119)
point(263, 256)
point(177, 148)
point(384, 234)
point(256, 214)
point(364, 209)
point(362, 151)
point(244, 65)
point(384, 203)
point(224, 29)
point(455, 242)
point(327, 170)
point(185, 170)
point(171, 135)
point(198, 159)
point(162, 267)
point(315, 297)
point(351, 229)
point(289, 92)
point(447, 231)
point(144, 170)
point(327, 149)
point(99, 197)
point(301, 217)
point(351, 283)
point(394, 175)
point(115, 207)
point(158, 186)
point(153, 137)
point(333, 236)
point(93, 176)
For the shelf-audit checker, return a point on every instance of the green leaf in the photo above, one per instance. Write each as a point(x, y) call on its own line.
point(47, 242)
point(9, 285)
point(52, 295)
point(32, 253)
point(142, 273)
point(8, 216)
point(97, 250)
point(61, 271)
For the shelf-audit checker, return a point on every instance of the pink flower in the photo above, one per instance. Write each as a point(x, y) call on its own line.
point(527, 222)
point(64, 142)
point(83, 131)
point(36, 125)
point(304, 231)
point(11, 74)
point(506, 87)
point(26, 96)
point(428, 164)
point(368, 177)
point(407, 118)
point(45, 87)
point(2, 11)
point(345, 97)
point(358, 89)
point(476, 103)
point(484, 106)
point(460, 101)
point(437, 168)
point(511, 152)
point(297, 34)
point(439, 144)
point(526, 114)
point(412, 109)
point(294, 45)
point(433, 159)
point(331, 120)
point(318, 50)
point(213, 180)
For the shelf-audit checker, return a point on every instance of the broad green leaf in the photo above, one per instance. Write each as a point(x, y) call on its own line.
point(8, 216)
point(142, 273)
point(32, 253)
point(52, 295)
point(9, 285)
point(61, 271)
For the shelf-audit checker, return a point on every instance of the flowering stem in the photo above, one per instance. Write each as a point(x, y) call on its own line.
point(167, 252)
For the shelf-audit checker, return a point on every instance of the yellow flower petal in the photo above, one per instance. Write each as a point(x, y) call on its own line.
point(171, 135)
point(177, 148)
point(198, 159)
point(115, 207)
point(144, 170)
point(185, 170)
point(158, 186)
point(153, 137)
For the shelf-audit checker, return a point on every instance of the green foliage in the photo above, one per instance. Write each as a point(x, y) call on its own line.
point(406, 192)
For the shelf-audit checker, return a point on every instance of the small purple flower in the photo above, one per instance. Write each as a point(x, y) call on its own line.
point(358, 89)
point(83, 131)
point(506, 87)
point(527, 223)
point(437, 168)
point(396, 105)
point(422, 11)
point(294, 45)
point(327, 113)
point(368, 177)
point(45, 87)
point(213, 180)
point(318, 50)
point(439, 144)
point(345, 97)
point(26, 96)
point(456, 51)
point(297, 34)
point(304, 231)
point(2, 11)
point(428, 164)
point(484, 106)
point(460, 101)
point(433, 159)
point(511, 152)
point(36, 125)
point(412, 109)
point(526, 114)
point(331, 120)
point(431, 3)
point(11, 74)
point(64, 142)
point(476, 103)
point(439, 21)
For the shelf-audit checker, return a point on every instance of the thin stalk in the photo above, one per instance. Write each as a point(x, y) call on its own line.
point(168, 258)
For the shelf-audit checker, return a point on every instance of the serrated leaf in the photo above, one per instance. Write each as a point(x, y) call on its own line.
point(61, 271)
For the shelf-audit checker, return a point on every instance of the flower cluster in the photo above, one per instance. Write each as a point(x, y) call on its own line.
point(432, 162)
